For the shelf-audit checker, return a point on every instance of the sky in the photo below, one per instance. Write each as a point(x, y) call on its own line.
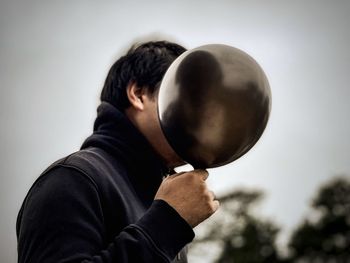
point(54, 57)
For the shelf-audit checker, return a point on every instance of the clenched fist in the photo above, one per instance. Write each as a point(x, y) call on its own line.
point(188, 194)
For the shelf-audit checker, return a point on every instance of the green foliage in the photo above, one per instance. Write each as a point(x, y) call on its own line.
point(242, 237)
point(328, 238)
point(255, 243)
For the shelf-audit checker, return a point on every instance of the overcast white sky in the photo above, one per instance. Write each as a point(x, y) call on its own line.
point(54, 56)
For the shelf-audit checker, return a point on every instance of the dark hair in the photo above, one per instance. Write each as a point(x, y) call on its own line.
point(143, 64)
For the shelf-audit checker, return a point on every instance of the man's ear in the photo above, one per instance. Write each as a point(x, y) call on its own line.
point(135, 95)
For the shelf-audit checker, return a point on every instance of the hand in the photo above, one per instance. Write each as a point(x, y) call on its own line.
point(188, 194)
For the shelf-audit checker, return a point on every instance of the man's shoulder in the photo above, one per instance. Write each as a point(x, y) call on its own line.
point(92, 162)
point(91, 167)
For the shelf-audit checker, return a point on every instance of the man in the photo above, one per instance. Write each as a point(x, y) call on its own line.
point(108, 202)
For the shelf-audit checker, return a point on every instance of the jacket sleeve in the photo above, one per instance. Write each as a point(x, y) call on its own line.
point(61, 220)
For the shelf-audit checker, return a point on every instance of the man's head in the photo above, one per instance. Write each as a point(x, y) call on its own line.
point(144, 65)
point(132, 84)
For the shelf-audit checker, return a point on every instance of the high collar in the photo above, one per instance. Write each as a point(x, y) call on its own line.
point(115, 134)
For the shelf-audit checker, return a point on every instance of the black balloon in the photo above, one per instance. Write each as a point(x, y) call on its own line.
point(213, 104)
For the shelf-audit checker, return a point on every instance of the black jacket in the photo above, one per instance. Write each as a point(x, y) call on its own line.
point(96, 205)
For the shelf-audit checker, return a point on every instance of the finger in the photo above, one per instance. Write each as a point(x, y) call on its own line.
point(212, 195)
point(216, 205)
point(202, 173)
point(172, 176)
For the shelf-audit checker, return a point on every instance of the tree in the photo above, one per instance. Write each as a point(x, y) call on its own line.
point(328, 238)
point(241, 237)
